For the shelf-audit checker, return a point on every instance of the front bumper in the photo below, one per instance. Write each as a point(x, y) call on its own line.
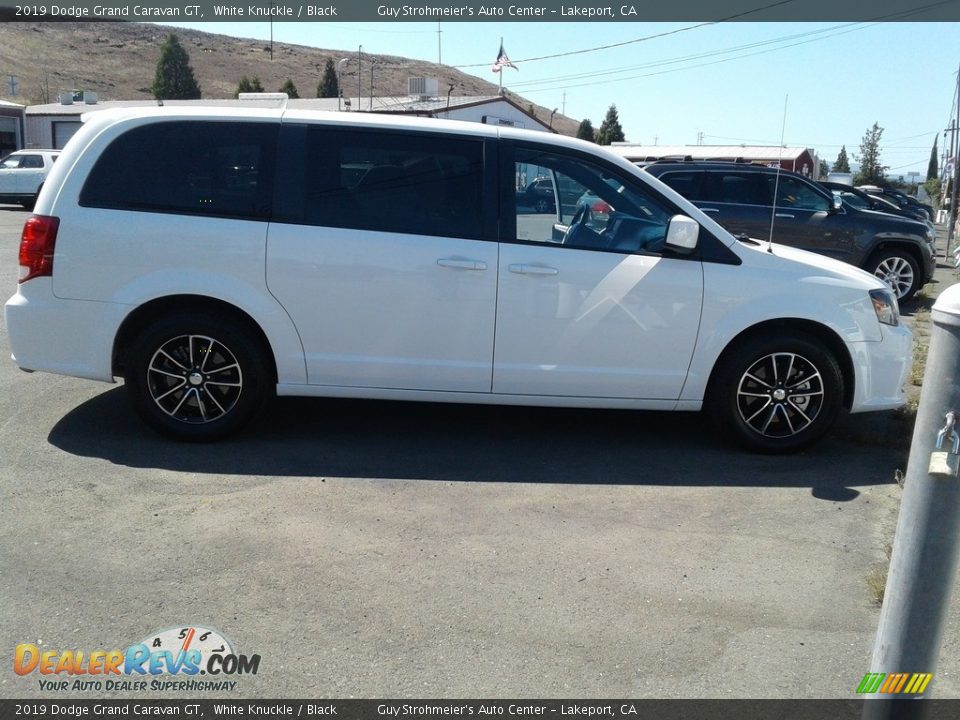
point(881, 370)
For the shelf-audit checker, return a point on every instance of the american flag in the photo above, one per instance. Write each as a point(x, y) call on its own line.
point(502, 60)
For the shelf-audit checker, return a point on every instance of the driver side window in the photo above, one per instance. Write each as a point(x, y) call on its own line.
point(568, 201)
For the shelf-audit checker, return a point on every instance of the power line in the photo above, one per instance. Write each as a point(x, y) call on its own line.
point(684, 58)
point(833, 32)
point(636, 40)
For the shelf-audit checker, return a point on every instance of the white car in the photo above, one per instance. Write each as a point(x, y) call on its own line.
point(216, 257)
point(22, 173)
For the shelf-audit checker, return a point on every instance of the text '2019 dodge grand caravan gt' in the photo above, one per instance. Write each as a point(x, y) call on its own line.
point(215, 257)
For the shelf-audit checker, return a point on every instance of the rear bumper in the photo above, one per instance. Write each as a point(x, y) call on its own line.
point(67, 337)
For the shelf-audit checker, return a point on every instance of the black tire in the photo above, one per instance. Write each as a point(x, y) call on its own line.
point(776, 393)
point(197, 376)
point(898, 269)
point(542, 205)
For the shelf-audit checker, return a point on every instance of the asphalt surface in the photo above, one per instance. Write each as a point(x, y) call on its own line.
point(372, 549)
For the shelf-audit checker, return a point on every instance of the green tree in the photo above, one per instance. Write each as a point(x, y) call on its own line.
point(610, 130)
point(823, 170)
point(933, 188)
point(586, 131)
point(174, 78)
point(842, 163)
point(290, 89)
point(871, 170)
point(933, 168)
point(329, 86)
point(248, 85)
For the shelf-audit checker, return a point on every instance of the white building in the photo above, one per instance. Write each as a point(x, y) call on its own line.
point(51, 125)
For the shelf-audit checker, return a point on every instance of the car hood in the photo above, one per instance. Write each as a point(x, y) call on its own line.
point(820, 264)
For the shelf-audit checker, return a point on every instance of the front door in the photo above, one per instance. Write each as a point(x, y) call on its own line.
point(590, 303)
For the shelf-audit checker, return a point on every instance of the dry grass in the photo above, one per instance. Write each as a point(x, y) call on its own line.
point(118, 61)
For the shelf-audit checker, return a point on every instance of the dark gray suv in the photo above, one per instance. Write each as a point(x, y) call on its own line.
point(740, 197)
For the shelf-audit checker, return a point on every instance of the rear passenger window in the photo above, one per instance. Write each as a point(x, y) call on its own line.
point(32, 161)
point(395, 182)
point(685, 183)
point(748, 188)
point(220, 169)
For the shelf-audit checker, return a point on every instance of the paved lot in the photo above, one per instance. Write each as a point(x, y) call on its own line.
point(384, 549)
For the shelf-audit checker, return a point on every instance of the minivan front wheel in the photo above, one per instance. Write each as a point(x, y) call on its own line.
point(196, 377)
point(776, 393)
point(897, 269)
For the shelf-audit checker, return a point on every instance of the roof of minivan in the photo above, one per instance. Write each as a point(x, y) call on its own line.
point(352, 119)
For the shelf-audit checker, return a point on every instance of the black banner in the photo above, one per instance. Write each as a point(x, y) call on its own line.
point(478, 10)
point(420, 709)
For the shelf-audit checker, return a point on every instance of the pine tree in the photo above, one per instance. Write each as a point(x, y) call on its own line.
point(329, 86)
point(871, 171)
point(586, 131)
point(823, 170)
point(174, 78)
point(248, 85)
point(933, 168)
point(843, 163)
point(290, 89)
point(610, 129)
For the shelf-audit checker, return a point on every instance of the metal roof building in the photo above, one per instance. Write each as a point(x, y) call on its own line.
point(51, 125)
point(798, 159)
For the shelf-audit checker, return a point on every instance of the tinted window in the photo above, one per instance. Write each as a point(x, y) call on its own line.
point(686, 183)
point(794, 193)
point(203, 168)
point(32, 161)
point(741, 188)
point(396, 182)
point(13, 161)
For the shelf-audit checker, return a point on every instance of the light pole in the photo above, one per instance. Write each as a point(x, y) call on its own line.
point(340, 82)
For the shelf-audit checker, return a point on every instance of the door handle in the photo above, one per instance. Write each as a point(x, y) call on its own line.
point(462, 264)
point(785, 215)
point(524, 269)
point(710, 210)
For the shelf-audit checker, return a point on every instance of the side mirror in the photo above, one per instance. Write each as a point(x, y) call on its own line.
point(682, 234)
point(837, 203)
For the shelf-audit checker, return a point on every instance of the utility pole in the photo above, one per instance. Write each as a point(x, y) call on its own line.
point(955, 144)
point(359, 76)
point(564, 105)
point(439, 55)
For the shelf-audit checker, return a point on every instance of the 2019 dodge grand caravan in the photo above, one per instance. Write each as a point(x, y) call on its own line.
point(741, 198)
point(214, 257)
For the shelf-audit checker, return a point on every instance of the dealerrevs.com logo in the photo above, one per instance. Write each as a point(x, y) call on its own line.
point(173, 659)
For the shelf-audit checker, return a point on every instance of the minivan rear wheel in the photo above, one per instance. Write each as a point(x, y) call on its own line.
point(197, 377)
point(776, 393)
point(899, 270)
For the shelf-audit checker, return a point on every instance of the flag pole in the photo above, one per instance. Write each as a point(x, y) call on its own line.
point(500, 92)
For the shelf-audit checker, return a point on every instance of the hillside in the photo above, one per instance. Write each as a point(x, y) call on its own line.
point(117, 61)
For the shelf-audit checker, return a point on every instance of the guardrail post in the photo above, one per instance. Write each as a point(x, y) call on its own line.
point(924, 560)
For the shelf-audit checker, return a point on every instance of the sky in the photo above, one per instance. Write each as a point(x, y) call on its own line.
point(817, 85)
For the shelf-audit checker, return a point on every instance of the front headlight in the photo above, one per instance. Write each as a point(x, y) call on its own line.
point(886, 307)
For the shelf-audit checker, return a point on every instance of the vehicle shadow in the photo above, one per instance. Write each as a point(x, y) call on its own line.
point(471, 443)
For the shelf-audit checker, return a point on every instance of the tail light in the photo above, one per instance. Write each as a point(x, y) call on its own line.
point(36, 246)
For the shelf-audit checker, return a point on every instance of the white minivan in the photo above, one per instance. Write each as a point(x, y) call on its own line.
point(216, 257)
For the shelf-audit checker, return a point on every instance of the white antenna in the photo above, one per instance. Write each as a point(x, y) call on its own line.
point(776, 182)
